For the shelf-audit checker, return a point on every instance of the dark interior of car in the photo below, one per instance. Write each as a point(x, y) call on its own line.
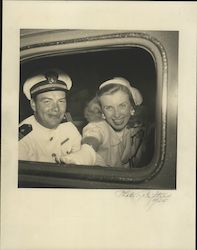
point(88, 69)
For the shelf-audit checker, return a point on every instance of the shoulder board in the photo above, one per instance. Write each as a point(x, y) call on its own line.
point(24, 130)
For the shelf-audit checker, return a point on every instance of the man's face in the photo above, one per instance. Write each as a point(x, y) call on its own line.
point(117, 109)
point(49, 108)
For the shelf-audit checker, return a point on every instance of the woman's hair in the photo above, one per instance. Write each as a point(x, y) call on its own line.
point(92, 111)
point(112, 88)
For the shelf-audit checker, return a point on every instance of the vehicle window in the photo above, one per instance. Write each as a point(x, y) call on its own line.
point(145, 66)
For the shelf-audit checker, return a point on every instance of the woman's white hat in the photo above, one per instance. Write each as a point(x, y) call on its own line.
point(137, 97)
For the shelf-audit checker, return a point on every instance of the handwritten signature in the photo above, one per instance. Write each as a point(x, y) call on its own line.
point(151, 198)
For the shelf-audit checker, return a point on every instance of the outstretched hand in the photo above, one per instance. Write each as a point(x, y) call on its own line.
point(67, 159)
point(85, 156)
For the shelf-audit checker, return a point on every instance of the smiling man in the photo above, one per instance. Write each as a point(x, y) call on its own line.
point(44, 136)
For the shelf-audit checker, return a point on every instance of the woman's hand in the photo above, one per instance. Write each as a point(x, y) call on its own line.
point(85, 156)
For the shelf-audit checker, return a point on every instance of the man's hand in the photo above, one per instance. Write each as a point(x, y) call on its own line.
point(85, 156)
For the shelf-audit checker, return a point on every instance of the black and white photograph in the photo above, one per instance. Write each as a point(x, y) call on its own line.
point(98, 108)
point(98, 132)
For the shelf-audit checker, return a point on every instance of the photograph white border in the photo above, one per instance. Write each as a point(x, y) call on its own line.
point(34, 219)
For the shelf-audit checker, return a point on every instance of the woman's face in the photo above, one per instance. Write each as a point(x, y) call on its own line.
point(117, 109)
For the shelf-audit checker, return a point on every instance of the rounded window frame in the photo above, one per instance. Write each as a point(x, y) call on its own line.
point(105, 42)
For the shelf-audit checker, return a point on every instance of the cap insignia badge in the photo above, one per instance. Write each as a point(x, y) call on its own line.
point(51, 77)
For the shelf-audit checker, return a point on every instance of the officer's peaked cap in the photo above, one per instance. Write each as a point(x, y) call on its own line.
point(53, 79)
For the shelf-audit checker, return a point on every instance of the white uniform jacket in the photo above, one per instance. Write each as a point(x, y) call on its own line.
point(42, 144)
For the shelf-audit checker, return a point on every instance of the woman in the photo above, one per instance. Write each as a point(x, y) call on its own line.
point(115, 142)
